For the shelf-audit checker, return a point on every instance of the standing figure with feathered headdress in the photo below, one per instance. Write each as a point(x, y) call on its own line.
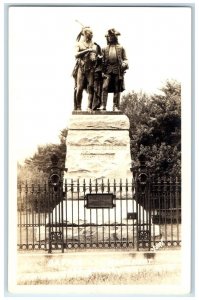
point(87, 70)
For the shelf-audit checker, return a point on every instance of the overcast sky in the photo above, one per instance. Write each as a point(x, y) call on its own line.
point(41, 59)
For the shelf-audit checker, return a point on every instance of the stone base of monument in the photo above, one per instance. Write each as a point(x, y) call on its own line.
point(98, 161)
point(98, 146)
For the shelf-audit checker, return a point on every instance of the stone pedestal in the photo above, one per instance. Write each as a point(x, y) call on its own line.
point(98, 146)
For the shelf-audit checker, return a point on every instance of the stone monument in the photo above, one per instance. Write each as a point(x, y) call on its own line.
point(98, 146)
point(98, 143)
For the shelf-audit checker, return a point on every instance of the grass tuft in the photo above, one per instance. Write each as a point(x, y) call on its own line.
point(142, 277)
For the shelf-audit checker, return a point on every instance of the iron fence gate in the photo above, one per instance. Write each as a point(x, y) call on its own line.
point(137, 214)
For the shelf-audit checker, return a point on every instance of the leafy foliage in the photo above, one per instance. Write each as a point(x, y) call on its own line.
point(155, 128)
point(36, 168)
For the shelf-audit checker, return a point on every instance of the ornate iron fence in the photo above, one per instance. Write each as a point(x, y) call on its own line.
point(140, 214)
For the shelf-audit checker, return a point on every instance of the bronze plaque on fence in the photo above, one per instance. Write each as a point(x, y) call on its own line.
point(100, 200)
point(131, 216)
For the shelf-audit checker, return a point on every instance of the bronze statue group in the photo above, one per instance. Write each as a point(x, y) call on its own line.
point(99, 71)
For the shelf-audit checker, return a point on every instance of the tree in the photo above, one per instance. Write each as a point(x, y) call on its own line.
point(155, 128)
point(34, 174)
point(36, 168)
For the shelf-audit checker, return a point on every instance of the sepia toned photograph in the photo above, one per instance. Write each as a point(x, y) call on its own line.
point(99, 150)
